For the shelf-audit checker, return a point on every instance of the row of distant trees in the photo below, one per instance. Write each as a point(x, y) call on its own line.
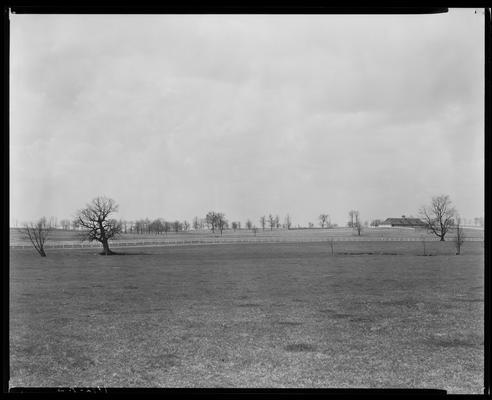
point(96, 224)
point(160, 225)
point(214, 221)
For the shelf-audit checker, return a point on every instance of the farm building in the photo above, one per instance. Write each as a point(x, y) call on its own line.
point(403, 222)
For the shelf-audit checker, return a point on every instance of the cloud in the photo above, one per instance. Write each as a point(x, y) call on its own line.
point(174, 115)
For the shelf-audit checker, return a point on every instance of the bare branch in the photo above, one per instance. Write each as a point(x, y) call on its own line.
point(98, 227)
point(38, 233)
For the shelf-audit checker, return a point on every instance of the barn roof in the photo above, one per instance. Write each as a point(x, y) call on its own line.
point(403, 221)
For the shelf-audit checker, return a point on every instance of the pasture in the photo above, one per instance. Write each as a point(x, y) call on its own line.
point(375, 314)
point(69, 238)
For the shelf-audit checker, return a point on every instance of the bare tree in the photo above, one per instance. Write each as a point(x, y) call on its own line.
point(357, 225)
point(38, 233)
point(323, 219)
point(439, 216)
point(271, 221)
point(196, 223)
point(167, 227)
point(216, 220)
point(351, 222)
point(65, 224)
point(98, 226)
point(288, 221)
point(375, 222)
point(138, 225)
point(157, 226)
point(145, 225)
point(53, 222)
point(177, 226)
point(124, 226)
point(186, 225)
point(211, 220)
point(221, 222)
point(460, 237)
point(75, 224)
point(234, 226)
point(249, 224)
point(263, 222)
point(310, 225)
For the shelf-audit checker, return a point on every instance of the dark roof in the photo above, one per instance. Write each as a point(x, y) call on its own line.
point(403, 222)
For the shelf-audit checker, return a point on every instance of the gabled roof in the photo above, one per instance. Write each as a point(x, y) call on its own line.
point(403, 221)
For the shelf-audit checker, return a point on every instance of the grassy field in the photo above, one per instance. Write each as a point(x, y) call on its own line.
point(376, 314)
point(59, 236)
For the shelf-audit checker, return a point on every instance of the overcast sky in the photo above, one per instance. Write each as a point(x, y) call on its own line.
point(177, 115)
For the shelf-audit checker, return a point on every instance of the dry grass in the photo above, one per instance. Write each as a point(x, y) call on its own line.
point(258, 315)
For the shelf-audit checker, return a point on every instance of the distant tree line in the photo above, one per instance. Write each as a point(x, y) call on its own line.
point(96, 224)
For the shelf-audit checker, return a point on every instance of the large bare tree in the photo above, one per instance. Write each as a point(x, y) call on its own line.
point(37, 233)
point(97, 224)
point(438, 216)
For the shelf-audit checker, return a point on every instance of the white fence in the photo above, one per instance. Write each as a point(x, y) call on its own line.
point(209, 241)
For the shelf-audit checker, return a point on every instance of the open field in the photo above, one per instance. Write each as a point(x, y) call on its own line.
point(60, 238)
point(376, 314)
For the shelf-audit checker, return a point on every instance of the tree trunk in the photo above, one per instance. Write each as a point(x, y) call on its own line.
point(442, 238)
point(106, 250)
point(41, 252)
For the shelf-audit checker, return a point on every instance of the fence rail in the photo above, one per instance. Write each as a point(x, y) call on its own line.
point(209, 241)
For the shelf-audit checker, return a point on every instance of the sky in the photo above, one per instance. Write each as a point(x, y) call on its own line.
point(176, 115)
